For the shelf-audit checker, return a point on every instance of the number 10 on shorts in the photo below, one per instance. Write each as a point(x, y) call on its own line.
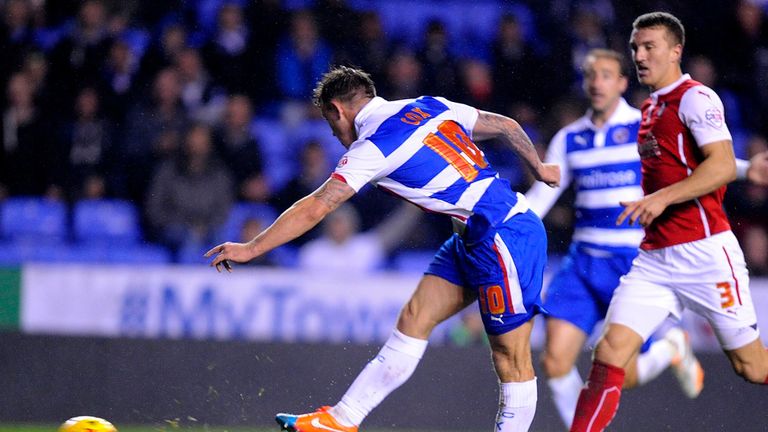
point(492, 300)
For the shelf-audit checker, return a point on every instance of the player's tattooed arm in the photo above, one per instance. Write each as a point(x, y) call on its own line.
point(333, 193)
point(491, 125)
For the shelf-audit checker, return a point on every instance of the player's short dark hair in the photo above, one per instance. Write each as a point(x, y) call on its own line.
point(342, 83)
point(609, 54)
point(667, 20)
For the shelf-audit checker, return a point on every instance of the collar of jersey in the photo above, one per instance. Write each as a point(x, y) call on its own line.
point(620, 115)
point(366, 111)
point(664, 90)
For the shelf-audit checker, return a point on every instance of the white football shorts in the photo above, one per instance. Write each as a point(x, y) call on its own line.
point(707, 276)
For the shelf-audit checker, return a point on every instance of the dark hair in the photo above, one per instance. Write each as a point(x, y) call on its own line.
point(599, 53)
point(342, 83)
point(667, 20)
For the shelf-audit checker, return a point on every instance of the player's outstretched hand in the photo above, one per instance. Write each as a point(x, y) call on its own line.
point(549, 173)
point(643, 211)
point(226, 252)
point(757, 172)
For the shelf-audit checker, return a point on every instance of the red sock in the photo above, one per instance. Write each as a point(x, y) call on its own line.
point(599, 399)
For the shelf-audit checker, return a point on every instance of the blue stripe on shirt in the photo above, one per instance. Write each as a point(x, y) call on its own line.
point(579, 140)
point(601, 218)
point(622, 134)
point(420, 169)
point(393, 131)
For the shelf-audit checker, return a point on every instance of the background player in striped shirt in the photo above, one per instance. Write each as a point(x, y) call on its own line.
point(598, 155)
point(689, 258)
point(423, 151)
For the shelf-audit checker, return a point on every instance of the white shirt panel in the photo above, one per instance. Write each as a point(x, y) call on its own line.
point(604, 156)
point(598, 198)
point(702, 111)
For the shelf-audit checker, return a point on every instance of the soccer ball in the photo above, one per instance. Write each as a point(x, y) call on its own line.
point(87, 424)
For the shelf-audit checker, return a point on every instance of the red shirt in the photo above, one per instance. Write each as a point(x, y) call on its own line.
point(677, 121)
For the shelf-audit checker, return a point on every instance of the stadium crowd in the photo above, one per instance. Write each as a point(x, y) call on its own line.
point(185, 108)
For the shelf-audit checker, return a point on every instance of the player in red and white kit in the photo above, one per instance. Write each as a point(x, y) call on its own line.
point(689, 258)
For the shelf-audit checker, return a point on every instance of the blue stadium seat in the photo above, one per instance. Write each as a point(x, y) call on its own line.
point(107, 221)
point(103, 253)
point(240, 213)
point(17, 252)
point(139, 254)
point(33, 218)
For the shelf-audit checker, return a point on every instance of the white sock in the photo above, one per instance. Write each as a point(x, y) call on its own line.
point(652, 362)
point(392, 367)
point(517, 406)
point(565, 394)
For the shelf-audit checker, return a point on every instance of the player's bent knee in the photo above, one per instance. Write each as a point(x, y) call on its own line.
point(553, 366)
point(617, 346)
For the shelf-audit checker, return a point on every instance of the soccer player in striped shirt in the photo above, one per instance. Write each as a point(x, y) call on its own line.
point(423, 150)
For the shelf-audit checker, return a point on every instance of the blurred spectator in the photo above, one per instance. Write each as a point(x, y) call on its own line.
point(153, 130)
point(514, 62)
point(268, 21)
point(94, 187)
point(372, 49)
point(36, 69)
point(118, 81)
point(477, 85)
point(16, 37)
point(313, 172)
point(438, 65)
point(702, 69)
point(190, 197)
point(76, 60)
point(227, 53)
point(584, 33)
point(755, 242)
point(28, 159)
point(342, 239)
point(335, 19)
point(86, 144)
point(302, 58)
point(256, 189)
point(403, 77)
point(203, 98)
point(162, 53)
point(745, 57)
point(747, 205)
point(234, 142)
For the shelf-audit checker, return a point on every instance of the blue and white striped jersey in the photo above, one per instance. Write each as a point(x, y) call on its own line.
point(604, 166)
point(421, 150)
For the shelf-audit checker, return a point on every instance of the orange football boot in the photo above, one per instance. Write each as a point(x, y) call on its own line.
point(318, 421)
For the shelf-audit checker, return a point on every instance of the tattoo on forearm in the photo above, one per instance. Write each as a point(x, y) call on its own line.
point(515, 136)
point(332, 193)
